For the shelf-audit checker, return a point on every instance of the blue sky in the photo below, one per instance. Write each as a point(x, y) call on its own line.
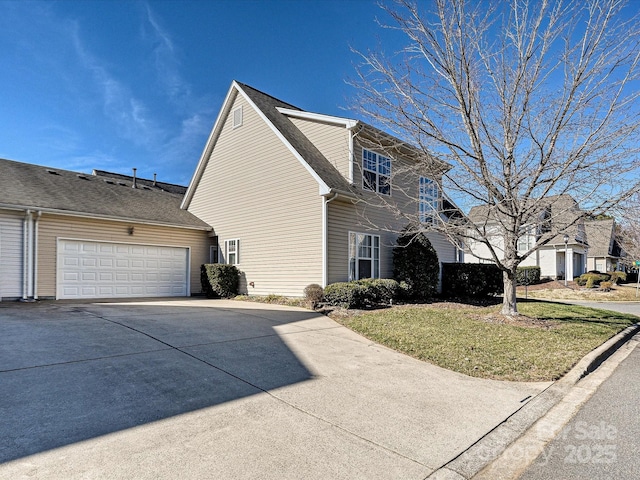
point(116, 84)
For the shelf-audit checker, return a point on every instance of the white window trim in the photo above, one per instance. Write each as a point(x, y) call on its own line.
point(376, 172)
point(430, 202)
point(238, 111)
point(237, 251)
point(352, 248)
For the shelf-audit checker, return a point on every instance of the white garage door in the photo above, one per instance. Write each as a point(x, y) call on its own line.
point(113, 270)
point(10, 257)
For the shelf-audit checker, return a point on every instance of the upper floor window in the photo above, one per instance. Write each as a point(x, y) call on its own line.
point(428, 200)
point(376, 172)
point(526, 241)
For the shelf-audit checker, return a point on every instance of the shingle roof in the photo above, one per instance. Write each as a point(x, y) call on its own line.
point(268, 105)
point(564, 211)
point(167, 187)
point(25, 185)
point(599, 233)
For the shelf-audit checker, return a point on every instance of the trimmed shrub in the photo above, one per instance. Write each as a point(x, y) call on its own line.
point(313, 293)
point(590, 280)
point(345, 294)
point(362, 293)
point(415, 263)
point(380, 291)
point(474, 280)
point(527, 275)
point(617, 277)
point(606, 286)
point(219, 280)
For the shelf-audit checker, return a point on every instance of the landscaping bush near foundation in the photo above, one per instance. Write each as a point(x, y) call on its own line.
point(362, 293)
point(219, 280)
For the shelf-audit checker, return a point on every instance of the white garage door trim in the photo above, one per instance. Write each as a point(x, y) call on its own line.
point(11, 254)
point(98, 269)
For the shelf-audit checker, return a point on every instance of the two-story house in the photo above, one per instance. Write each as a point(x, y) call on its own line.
point(290, 197)
point(296, 197)
point(555, 232)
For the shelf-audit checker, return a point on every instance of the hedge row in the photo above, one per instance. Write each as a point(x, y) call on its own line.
point(362, 293)
point(475, 280)
point(528, 275)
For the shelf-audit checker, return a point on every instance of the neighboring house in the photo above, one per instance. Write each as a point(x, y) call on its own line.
point(561, 216)
point(65, 234)
point(297, 198)
point(604, 251)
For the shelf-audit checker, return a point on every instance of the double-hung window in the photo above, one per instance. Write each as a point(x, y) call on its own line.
point(526, 240)
point(232, 251)
point(364, 256)
point(376, 172)
point(428, 200)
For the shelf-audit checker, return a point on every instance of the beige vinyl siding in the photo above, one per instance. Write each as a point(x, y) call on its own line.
point(331, 140)
point(381, 215)
point(255, 190)
point(51, 227)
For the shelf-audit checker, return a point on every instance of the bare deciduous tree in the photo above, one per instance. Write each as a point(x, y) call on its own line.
point(529, 101)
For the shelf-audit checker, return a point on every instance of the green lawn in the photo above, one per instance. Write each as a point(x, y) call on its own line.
point(543, 345)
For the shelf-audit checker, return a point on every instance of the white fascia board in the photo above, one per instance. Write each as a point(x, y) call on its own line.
point(323, 187)
point(208, 148)
point(318, 117)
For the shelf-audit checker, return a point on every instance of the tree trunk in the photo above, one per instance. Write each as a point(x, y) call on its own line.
point(509, 306)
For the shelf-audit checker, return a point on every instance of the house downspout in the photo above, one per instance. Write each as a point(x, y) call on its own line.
point(35, 255)
point(325, 237)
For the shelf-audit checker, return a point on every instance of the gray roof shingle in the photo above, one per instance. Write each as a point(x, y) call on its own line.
point(25, 185)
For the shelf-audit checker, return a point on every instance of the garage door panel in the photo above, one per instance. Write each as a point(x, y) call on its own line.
point(102, 270)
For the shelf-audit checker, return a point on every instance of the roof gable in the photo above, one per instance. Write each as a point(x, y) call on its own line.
point(270, 110)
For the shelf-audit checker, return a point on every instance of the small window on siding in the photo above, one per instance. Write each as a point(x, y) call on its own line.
point(237, 117)
point(232, 251)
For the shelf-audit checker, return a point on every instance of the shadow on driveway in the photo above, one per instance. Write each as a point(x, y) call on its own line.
point(71, 372)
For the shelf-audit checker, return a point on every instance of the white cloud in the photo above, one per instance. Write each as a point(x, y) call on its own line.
point(166, 61)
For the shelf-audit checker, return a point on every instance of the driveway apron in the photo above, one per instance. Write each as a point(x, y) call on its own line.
point(221, 389)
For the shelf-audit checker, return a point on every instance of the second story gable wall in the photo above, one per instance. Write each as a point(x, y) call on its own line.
point(331, 140)
point(255, 190)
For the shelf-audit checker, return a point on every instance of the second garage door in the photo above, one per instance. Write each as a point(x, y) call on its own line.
point(87, 269)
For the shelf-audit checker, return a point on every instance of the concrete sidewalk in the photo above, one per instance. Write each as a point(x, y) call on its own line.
point(222, 389)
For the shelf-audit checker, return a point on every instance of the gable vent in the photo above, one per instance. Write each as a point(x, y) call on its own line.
point(237, 117)
point(53, 172)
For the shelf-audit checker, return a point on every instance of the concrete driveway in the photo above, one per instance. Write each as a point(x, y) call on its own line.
point(221, 389)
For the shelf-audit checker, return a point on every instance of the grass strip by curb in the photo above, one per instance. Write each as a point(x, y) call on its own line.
point(542, 345)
